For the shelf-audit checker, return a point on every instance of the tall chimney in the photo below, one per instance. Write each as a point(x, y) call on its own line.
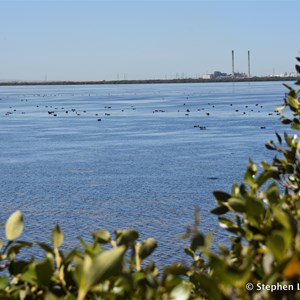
point(232, 63)
point(249, 74)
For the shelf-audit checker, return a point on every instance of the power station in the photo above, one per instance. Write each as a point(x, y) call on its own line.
point(234, 74)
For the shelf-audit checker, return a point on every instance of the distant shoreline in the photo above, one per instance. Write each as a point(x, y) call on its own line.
point(149, 81)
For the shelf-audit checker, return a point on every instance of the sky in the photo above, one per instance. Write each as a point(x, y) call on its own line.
point(146, 39)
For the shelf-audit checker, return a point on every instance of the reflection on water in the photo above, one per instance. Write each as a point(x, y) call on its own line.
point(129, 156)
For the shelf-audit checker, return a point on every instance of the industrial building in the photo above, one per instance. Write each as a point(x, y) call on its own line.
point(222, 75)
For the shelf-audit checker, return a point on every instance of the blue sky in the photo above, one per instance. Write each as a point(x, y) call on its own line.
point(107, 40)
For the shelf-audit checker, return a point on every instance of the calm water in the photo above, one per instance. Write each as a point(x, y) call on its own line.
point(144, 165)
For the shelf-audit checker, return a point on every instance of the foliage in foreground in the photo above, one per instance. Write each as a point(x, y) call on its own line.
point(262, 215)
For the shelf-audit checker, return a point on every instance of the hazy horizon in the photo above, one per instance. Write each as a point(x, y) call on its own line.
point(102, 40)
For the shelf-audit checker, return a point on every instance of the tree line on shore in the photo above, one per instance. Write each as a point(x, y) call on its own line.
point(149, 81)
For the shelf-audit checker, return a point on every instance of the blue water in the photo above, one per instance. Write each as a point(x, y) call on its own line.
point(144, 165)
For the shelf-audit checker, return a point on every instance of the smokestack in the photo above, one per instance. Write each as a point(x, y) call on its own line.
point(249, 74)
point(232, 63)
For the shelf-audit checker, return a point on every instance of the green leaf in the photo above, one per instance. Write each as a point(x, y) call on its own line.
point(221, 210)
point(69, 297)
point(264, 176)
point(297, 68)
point(107, 264)
point(101, 236)
point(226, 223)
point(4, 281)
point(235, 190)
point(17, 267)
point(138, 276)
point(208, 285)
point(30, 275)
point(237, 204)
point(287, 86)
point(293, 102)
point(50, 296)
point(249, 176)
point(83, 243)
point(189, 252)
point(296, 126)
point(14, 226)
point(197, 216)
point(279, 138)
point(15, 249)
point(198, 240)
point(288, 139)
point(278, 243)
point(282, 217)
point(181, 291)
point(44, 272)
point(254, 207)
point(91, 271)
point(46, 247)
point(286, 121)
point(70, 256)
point(147, 247)
point(221, 196)
point(176, 269)
point(280, 108)
point(292, 93)
point(270, 146)
point(126, 237)
point(273, 193)
point(57, 236)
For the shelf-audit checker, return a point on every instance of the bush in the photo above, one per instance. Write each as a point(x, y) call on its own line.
point(262, 215)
